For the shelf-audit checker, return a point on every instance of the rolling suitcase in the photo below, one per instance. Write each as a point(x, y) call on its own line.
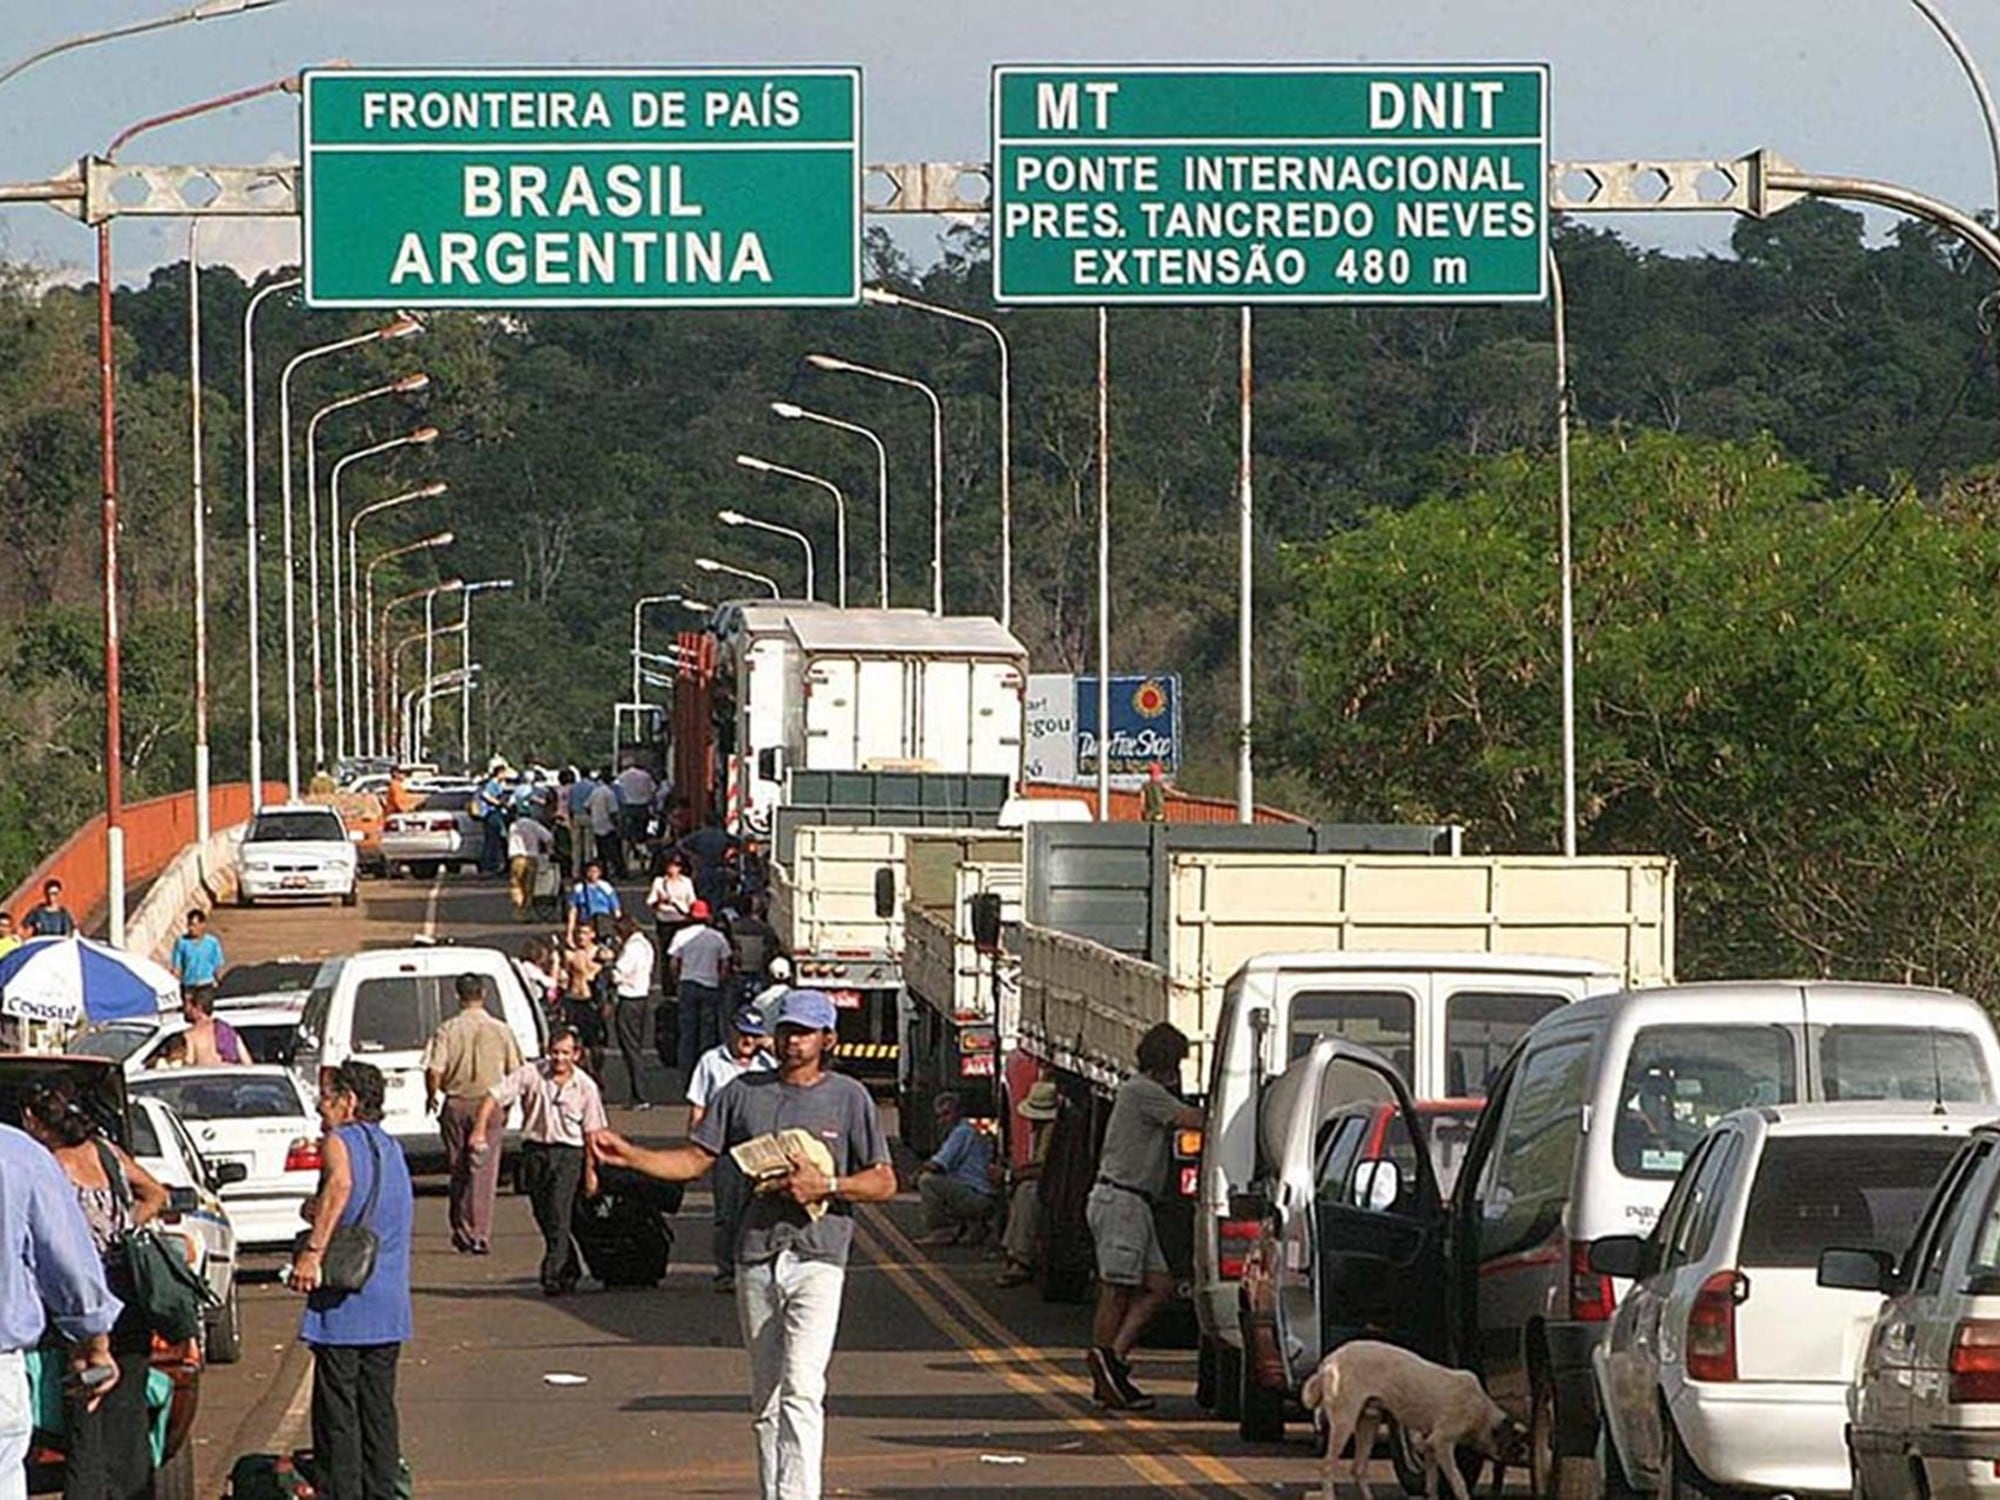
point(622, 1234)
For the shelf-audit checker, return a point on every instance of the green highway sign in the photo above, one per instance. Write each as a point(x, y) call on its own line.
point(1285, 184)
point(582, 188)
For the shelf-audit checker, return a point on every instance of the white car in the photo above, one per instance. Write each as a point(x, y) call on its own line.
point(1924, 1411)
point(260, 1118)
point(439, 835)
point(195, 1216)
point(1726, 1366)
point(269, 1032)
point(296, 852)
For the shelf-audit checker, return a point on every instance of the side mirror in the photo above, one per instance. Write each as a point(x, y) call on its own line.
point(1856, 1270)
point(985, 910)
point(1377, 1185)
point(771, 763)
point(1627, 1256)
point(182, 1200)
point(885, 891)
point(224, 1174)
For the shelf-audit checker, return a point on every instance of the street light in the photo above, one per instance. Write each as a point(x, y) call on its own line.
point(289, 283)
point(831, 363)
point(397, 328)
point(406, 385)
point(398, 699)
point(883, 297)
point(765, 466)
point(484, 586)
point(638, 611)
point(737, 518)
point(710, 565)
point(357, 622)
point(209, 10)
point(793, 412)
point(449, 586)
point(459, 678)
point(441, 539)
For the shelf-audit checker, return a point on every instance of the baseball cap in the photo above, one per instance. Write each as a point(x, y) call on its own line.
point(812, 1009)
point(750, 1022)
point(699, 911)
point(780, 967)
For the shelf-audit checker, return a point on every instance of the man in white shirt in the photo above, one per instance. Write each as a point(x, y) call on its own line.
point(748, 1050)
point(601, 810)
point(529, 842)
point(698, 962)
point(631, 980)
point(636, 790)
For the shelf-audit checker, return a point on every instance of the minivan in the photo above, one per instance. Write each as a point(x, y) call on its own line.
point(1589, 1124)
point(382, 1005)
point(1443, 1022)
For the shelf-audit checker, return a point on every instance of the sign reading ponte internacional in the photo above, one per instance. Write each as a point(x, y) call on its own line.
point(1284, 184)
point(582, 188)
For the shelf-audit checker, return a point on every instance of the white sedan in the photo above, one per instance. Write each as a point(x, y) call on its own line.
point(297, 851)
point(259, 1118)
point(195, 1217)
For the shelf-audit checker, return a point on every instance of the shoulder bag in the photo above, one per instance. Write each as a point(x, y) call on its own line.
point(349, 1258)
point(170, 1297)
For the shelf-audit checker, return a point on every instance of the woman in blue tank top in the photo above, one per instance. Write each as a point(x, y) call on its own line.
point(356, 1337)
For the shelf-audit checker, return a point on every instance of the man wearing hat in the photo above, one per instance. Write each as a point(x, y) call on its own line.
point(793, 1241)
point(1021, 1243)
point(748, 1049)
point(699, 960)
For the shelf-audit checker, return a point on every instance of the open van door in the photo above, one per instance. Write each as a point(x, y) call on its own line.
point(1357, 1221)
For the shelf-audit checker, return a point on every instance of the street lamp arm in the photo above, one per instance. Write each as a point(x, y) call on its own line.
point(211, 10)
point(1787, 179)
point(1978, 80)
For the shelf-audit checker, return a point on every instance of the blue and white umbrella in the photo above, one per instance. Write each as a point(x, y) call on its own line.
point(72, 979)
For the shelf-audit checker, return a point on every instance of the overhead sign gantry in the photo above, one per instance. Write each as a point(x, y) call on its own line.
point(1276, 184)
point(582, 188)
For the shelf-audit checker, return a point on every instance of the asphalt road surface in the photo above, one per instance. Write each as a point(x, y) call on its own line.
point(941, 1383)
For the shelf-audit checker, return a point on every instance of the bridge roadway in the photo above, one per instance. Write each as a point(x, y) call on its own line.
point(941, 1383)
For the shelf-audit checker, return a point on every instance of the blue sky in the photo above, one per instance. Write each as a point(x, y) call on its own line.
point(1854, 87)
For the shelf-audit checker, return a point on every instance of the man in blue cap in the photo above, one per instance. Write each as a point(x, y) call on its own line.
point(793, 1241)
point(748, 1048)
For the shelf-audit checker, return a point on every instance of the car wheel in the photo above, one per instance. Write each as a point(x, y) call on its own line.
point(352, 895)
point(225, 1334)
point(174, 1480)
point(424, 869)
point(1681, 1479)
point(1554, 1475)
point(1204, 1374)
point(242, 897)
point(1260, 1413)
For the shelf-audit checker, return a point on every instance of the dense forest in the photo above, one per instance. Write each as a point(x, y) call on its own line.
point(1784, 507)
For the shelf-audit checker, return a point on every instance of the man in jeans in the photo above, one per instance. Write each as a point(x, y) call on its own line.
point(699, 960)
point(792, 1244)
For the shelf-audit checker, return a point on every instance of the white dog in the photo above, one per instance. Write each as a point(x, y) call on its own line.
point(1437, 1410)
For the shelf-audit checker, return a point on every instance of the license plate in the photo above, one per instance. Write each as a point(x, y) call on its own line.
point(847, 999)
point(979, 1065)
point(294, 882)
point(247, 1163)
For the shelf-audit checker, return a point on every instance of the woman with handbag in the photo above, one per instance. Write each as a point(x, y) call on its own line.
point(109, 1450)
point(353, 1264)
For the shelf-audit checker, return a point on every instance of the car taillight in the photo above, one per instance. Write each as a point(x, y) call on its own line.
point(302, 1155)
point(1187, 1144)
point(1975, 1361)
point(1711, 1328)
point(1190, 1181)
point(1238, 1241)
point(1592, 1298)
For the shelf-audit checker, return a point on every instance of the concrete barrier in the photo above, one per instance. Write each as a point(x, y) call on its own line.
point(200, 876)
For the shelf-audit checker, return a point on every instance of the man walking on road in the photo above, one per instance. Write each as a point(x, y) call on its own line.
point(529, 843)
point(49, 1272)
point(792, 1247)
point(463, 1061)
point(697, 963)
point(560, 1109)
point(631, 982)
point(197, 958)
point(1133, 1281)
point(747, 1050)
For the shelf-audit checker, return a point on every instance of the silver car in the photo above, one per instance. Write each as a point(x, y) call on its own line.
point(1726, 1366)
point(1925, 1406)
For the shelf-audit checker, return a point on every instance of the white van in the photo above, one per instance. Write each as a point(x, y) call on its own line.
point(382, 1005)
point(1589, 1125)
point(1445, 1022)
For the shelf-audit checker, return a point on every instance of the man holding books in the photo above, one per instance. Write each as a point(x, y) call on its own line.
point(812, 1144)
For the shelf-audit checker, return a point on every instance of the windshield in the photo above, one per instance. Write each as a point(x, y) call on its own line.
point(114, 1042)
point(295, 827)
point(1859, 1192)
point(1679, 1080)
point(211, 1098)
point(398, 1013)
point(1902, 1062)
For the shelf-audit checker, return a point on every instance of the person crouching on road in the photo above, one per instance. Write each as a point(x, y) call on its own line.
point(955, 1183)
point(356, 1337)
point(747, 1050)
point(790, 1261)
point(560, 1108)
point(1022, 1241)
point(464, 1058)
point(1133, 1281)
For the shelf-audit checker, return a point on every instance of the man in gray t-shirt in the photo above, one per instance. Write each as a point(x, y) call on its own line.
point(1133, 1281)
point(790, 1263)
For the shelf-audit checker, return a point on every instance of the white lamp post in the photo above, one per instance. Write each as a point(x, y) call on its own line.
point(441, 539)
point(357, 622)
point(250, 528)
point(765, 466)
point(737, 518)
point(792, 412)
point(832, 363)
point(484, 586)
point(449, 586)
point(710, 565)
point(882, 296)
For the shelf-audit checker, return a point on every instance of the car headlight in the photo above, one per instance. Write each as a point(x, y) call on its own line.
point(257, 866)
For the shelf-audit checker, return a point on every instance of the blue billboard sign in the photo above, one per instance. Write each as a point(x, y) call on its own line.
point(1145, 726)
